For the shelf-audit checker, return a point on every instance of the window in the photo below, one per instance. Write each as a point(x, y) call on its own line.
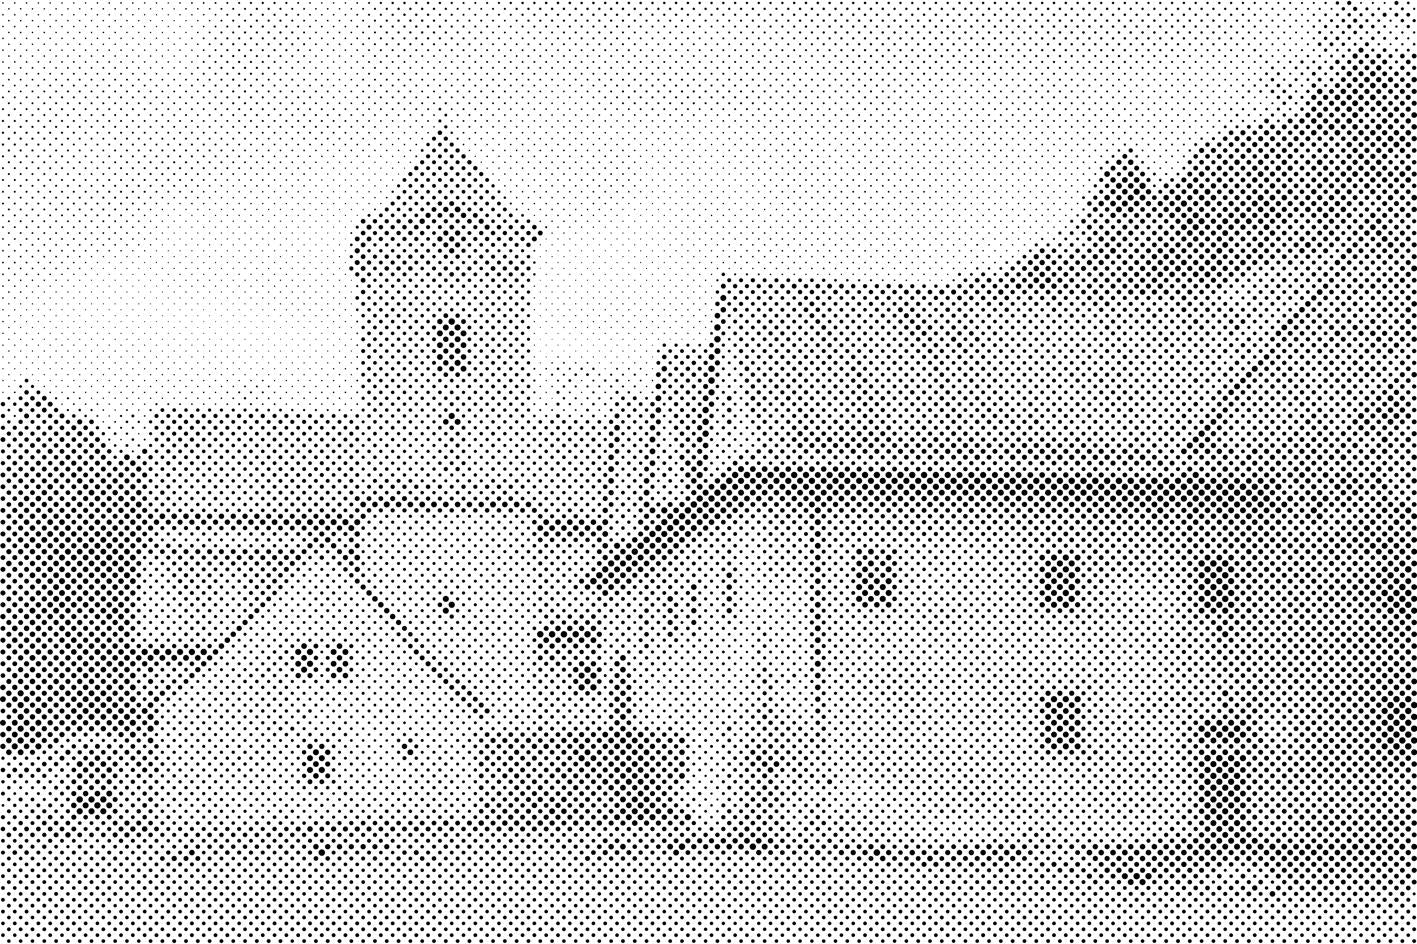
point(875, 578)
point(1060, 578)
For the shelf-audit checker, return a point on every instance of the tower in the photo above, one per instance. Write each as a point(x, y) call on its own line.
point(442, 277)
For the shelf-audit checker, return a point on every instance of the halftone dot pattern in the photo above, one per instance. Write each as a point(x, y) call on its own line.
point(1068, 595)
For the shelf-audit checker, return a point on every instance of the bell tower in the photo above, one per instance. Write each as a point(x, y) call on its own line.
point(442, 278)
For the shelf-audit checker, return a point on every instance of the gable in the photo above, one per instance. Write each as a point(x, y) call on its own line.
point(320, 706)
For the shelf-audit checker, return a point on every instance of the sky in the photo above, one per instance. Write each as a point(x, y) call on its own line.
point(181, 181)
